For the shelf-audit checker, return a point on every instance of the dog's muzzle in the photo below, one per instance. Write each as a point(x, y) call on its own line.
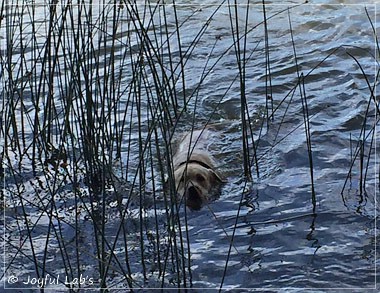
point(193, 198)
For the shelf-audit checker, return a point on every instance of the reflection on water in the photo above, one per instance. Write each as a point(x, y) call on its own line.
point(270, 230)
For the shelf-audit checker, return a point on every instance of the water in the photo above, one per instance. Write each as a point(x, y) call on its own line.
point(283, 238)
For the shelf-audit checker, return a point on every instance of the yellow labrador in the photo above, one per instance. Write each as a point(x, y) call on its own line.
point(195, 174)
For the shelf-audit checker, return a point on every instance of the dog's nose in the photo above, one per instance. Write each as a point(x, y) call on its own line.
point(193, 199)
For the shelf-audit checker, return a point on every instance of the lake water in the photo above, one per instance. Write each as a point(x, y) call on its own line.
point(272, 233)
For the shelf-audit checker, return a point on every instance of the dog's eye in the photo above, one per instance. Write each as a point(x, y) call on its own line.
point(200, 178)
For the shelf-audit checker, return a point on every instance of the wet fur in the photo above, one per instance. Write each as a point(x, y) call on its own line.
point(196, 177)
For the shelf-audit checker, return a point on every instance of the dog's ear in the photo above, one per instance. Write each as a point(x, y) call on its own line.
point(217, 177)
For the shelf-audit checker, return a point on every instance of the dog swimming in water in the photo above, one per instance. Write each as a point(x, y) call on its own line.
point(195, 170)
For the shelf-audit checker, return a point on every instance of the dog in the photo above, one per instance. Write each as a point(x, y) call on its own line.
point(195, 174)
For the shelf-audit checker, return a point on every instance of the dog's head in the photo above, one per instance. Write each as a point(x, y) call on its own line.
point(195, 182)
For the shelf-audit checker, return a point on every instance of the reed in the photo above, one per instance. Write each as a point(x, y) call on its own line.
point(366, 145)
point(306, 116)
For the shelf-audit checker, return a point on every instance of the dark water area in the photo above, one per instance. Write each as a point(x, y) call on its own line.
point(274, 233)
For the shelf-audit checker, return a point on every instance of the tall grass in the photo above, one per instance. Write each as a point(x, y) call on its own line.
point(367, 136)
point(93, 96)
